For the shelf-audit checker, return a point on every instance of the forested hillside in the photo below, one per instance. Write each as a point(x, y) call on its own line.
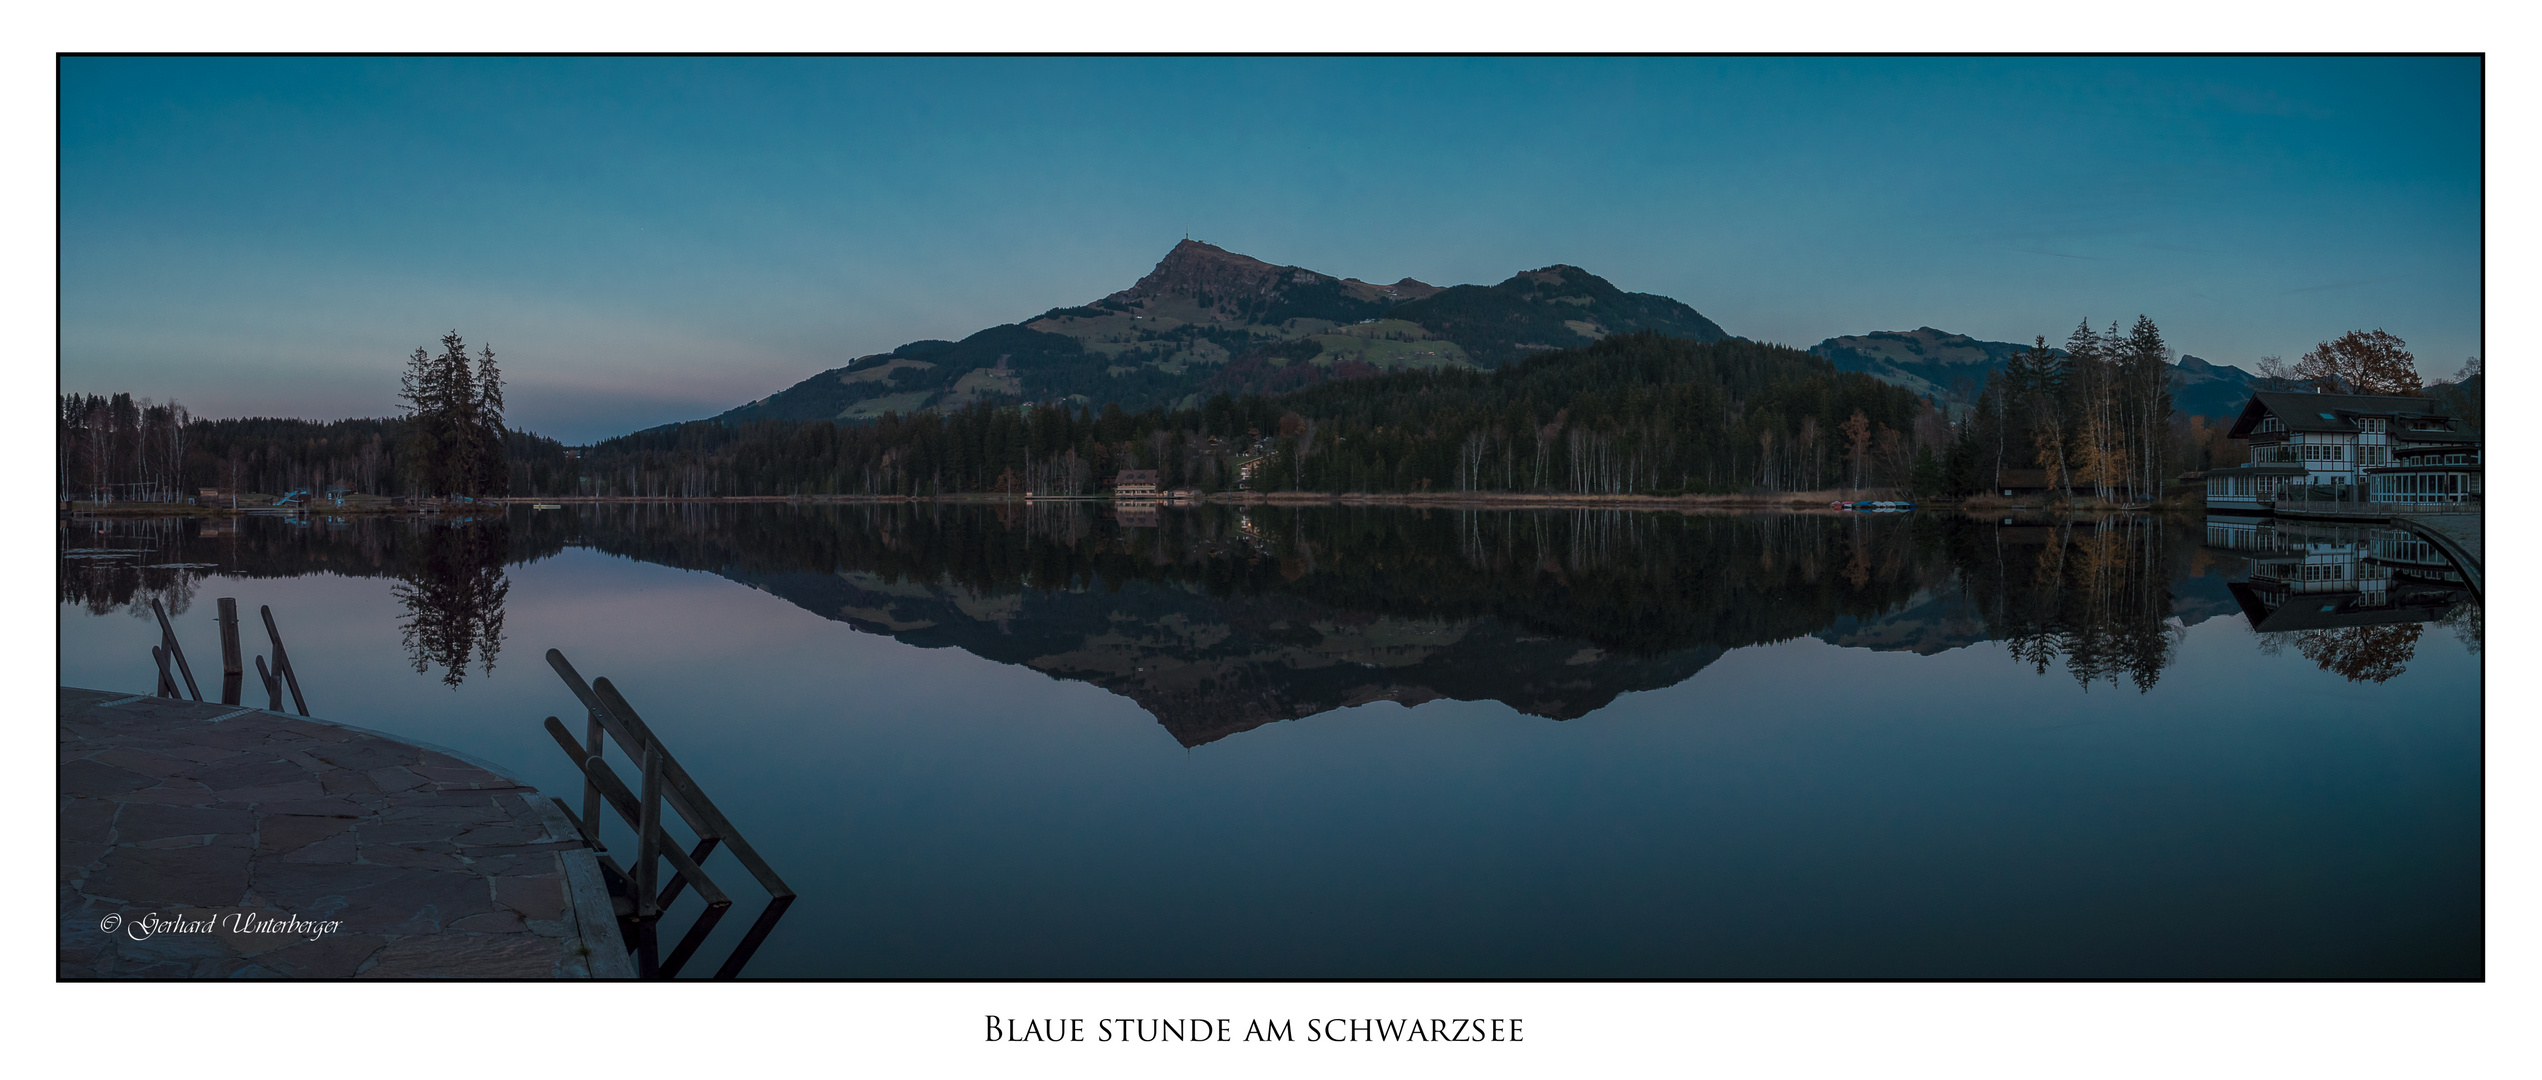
point(1640, 413)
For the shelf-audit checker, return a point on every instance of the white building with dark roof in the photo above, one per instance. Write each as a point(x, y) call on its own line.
point(2347, 446)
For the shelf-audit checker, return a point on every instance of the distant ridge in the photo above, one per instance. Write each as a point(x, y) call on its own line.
point(1207, 320)
point(1953, 368)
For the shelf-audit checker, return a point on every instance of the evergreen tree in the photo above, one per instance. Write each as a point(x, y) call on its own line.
point(2038, 377)
point(423, 450)
point(493, 474)
point(2148, 384)
point(2092, 401)
point(464, 452)
point(454, 413)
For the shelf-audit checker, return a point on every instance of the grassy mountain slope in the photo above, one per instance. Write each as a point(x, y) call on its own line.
point(1933, 363)
point(1558, 307)
point(1207, 321)
point(1953, 368)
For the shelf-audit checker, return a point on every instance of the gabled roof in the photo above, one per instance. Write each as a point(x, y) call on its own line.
point(2326, 412)
point(2331, 611)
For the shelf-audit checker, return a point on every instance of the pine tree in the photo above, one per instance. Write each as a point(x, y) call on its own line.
point(2038, 381)
point(455, 380)
point(419, 388)
point(2086, 398)
point(494, 474)
point(454, 421)
point(2148, 382)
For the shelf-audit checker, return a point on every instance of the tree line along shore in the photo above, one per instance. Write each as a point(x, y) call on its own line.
point(1631, 418)
point(2186, 498)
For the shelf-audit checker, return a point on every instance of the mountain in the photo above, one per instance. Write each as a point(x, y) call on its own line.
point(2199, 388)
point(1558, 307)
point(1207, 667)
point(1933, 363)
point(1207, 320)
point(1954, 368)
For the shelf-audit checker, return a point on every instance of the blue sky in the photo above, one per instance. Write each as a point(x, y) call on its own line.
point(654, 240)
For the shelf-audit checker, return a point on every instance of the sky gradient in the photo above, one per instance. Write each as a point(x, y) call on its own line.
point(648, 240)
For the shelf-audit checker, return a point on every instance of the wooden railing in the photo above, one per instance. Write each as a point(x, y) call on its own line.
point(640, 897)
point(168, 652)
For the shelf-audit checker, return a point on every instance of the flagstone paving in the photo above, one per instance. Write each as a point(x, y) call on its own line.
point(193, 834)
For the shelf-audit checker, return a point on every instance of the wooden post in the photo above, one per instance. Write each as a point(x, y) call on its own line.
point(648, 860)
point(591, 790)
point(167, 682)
point(282, 664)
point(648, 837)
point(233, 672)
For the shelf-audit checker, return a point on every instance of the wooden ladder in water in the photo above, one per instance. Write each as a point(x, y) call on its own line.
point(637, 892)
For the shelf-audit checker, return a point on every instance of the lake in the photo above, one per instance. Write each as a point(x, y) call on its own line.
point(1069, 741)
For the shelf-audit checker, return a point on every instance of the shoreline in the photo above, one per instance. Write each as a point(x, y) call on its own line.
point(1793, 501)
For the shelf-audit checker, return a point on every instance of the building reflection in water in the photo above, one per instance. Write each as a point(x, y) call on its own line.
point(2353, 599)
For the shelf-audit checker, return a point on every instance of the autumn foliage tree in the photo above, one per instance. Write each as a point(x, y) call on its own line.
point(1857, 431)
point(2361, 362)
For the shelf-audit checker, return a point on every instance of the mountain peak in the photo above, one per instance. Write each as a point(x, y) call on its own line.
point(1195, 268)
point(1557, 275)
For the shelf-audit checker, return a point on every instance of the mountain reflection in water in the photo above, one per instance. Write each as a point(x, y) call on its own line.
point(1219, 619)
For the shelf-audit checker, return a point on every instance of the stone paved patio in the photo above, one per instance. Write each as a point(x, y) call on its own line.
point(217, 817)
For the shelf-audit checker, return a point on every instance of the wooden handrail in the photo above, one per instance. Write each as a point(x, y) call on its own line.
point(632, 741)
point(662, 780)
point(723, 827)
point(168, 637)
point(634, 737)
point(273, 686)
point(282, 664)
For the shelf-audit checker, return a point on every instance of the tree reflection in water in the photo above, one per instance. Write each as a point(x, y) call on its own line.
point(2361, 653)
point(2094, 593)
point(453, 590)
point(2354, 599)
point(1247, 614)
point(126, 563)
point(2465, 622)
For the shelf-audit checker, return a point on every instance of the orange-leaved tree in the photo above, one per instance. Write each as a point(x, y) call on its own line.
point(1857, 431)
point(2361, 362)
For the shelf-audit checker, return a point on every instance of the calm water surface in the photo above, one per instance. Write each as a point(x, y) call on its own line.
point(985, 741)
